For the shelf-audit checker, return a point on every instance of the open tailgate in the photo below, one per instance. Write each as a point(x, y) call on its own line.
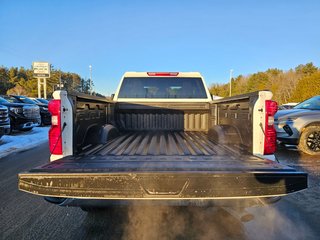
point(162, 177)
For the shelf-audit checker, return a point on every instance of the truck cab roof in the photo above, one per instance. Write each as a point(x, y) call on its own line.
point(162, 87)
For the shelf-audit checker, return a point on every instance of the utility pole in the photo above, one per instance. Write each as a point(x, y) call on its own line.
point(90, 67)
point(231, 71)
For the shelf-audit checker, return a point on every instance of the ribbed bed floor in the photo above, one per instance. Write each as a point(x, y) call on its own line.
point(160, 143)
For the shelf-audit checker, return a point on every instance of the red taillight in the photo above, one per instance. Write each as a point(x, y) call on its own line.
point(270, 132)
point(163, 74)
point(55, 138)
point(271, 107)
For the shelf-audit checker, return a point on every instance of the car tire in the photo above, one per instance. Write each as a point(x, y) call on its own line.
point(310, 140)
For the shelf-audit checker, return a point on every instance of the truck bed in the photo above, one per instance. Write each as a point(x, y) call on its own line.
point(155, 143)
point(162, 165)
point(161, 151)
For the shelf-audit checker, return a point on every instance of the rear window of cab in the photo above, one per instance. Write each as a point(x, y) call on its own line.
point(162, 87)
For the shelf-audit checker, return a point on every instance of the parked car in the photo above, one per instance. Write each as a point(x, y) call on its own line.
point(45, 114)
point(42, 100)
point(301, 126)
point(22, 116)
point(4, 121)
point(287, 106)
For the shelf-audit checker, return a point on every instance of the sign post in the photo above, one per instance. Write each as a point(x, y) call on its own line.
point(41, 70)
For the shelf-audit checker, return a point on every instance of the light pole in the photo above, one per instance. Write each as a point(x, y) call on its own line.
point(90, 67)
point(231, 71)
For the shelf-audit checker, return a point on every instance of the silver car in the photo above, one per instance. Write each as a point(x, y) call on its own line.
point(301, 126)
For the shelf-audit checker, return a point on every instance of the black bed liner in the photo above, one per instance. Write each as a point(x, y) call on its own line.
point(155, 143)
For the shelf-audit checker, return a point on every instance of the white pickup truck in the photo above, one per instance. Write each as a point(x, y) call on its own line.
point(161, 139)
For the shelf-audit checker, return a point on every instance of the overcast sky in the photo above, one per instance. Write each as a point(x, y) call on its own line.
point(211, 37)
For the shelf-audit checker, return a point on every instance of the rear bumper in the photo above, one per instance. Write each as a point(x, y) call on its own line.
point(163, 185)
point(103, 203)
point(286, 138)
point(292, 141)
point(288, 134)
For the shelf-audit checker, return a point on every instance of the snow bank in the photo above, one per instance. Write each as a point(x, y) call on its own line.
point(21, 141)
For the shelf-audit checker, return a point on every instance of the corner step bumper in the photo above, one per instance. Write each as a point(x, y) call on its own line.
point(163, 185)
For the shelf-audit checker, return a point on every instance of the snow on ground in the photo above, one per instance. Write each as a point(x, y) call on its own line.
point(21, 141)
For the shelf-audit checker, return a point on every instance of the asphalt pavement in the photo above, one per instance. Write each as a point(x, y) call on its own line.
point(25, 216)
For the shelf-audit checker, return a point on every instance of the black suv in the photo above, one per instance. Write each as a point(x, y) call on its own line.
point(4, 121)
point(22, 116)
point(45, 114)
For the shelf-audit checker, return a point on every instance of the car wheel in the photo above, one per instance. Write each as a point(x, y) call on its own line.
point(310, 140)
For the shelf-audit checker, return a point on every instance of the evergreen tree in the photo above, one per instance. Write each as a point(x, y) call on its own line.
point(294, 85)
point(307, 87)
point(306, 69)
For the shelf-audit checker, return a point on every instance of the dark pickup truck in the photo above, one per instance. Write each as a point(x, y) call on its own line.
point(4, 121)
point(23, 117)
point(44, 113)
point(161, 139)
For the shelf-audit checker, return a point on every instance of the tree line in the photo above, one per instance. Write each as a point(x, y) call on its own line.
point(294, 85)
point(20, 81)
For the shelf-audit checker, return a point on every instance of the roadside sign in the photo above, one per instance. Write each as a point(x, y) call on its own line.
point(41, 69)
